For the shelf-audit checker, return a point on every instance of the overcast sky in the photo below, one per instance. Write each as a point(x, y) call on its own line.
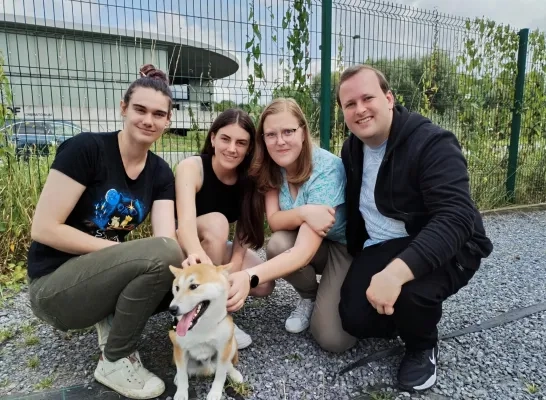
point(521, 14)
point(224, 24)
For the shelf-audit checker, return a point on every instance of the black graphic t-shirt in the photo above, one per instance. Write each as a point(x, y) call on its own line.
point(112, 204)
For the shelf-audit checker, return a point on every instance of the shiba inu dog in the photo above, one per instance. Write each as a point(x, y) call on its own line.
point(203, 339)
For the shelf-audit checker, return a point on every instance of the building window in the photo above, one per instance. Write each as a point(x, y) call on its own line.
point(180, 93)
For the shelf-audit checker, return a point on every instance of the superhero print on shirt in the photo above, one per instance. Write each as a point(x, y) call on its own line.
point(115, 212)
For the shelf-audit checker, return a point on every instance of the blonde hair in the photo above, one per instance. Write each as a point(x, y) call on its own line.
point(266, 172)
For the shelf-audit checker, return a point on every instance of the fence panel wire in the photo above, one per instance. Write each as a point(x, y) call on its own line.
point(68, 64)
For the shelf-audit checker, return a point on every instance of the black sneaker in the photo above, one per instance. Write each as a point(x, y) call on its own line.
point(418, 369)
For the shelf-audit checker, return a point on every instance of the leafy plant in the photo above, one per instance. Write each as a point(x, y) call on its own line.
point(254, 63)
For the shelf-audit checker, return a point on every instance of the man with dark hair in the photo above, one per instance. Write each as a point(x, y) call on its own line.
point(412, 227)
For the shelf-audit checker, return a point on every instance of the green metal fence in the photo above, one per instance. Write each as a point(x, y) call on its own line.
point(462, 75)
point(67, 64)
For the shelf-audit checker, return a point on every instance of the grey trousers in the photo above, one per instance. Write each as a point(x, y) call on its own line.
point(131, 280)
point(331, 261)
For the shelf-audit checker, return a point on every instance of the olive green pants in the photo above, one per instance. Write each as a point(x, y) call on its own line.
point(131, 280)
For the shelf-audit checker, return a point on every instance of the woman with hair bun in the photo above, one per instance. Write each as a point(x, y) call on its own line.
point(81, 271)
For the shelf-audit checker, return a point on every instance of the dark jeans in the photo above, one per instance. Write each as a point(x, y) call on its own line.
point(417, 310)
point(131, 280)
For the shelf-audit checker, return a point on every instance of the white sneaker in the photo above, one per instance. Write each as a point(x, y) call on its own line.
point(242, 338)
point(103, 330)
point(129, 378)
point(298, 321)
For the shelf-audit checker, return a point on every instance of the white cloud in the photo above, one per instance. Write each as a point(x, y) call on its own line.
point(520, 14)
point(59, 10)
point(176, 25)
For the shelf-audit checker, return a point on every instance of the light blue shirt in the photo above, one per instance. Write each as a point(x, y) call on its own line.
point(326, 186)
point(379, 227)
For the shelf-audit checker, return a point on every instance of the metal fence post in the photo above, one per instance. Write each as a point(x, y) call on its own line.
point(516, 116)
point(325, 74)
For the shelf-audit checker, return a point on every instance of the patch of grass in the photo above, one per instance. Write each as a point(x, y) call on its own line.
point(28, 329)
point(31, 340)
point(192, 142)
point(381, 396)
point(6, 334)
point(532, 388)
point(33, 362)
point(14, 275)
point(243, 389)
point(21, 182)
point(12, 278)
point(381, 391)
point(45, 383)
point(293, 357)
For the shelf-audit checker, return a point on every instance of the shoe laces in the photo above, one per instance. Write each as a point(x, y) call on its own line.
point(303, 309)
point(134, 368)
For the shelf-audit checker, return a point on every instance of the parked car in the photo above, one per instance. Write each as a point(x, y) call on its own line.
point(36, 136)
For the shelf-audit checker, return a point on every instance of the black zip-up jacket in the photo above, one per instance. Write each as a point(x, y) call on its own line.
point(422, 181)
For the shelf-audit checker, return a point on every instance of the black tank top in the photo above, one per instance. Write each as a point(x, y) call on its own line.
point(216, 196)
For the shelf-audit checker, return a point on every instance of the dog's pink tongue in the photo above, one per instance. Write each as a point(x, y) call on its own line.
point(184, 324)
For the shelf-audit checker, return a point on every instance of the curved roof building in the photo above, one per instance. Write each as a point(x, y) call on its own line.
point(78, 72)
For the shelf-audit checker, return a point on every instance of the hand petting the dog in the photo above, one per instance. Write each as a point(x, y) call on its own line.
point(239, 282)
point(196, 259)
point(240, 288)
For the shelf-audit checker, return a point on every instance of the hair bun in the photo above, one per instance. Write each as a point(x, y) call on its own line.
point(149, 71)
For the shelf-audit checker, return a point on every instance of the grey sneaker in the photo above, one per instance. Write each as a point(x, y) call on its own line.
point(299, 319)
point(242, 338)
point(128, 377)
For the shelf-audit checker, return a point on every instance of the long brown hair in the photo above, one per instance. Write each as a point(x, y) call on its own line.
point(266, 172)
point(251, 220)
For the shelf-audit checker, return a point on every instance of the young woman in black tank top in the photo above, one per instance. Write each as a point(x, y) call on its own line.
point(213, 190)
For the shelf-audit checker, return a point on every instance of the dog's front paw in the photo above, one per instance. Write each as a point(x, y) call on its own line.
point(236, 376)
point(181, 395)
point(213, 395)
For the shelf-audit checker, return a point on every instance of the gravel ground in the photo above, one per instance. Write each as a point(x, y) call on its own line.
point(499, 363)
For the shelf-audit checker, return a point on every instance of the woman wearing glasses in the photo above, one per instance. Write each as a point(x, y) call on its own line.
point(304, 188)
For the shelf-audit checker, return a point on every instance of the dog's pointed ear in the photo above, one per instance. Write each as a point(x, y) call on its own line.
point(175, 270)
point(224, 269)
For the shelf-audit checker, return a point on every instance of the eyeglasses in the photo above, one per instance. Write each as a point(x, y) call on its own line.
point(287, 134)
